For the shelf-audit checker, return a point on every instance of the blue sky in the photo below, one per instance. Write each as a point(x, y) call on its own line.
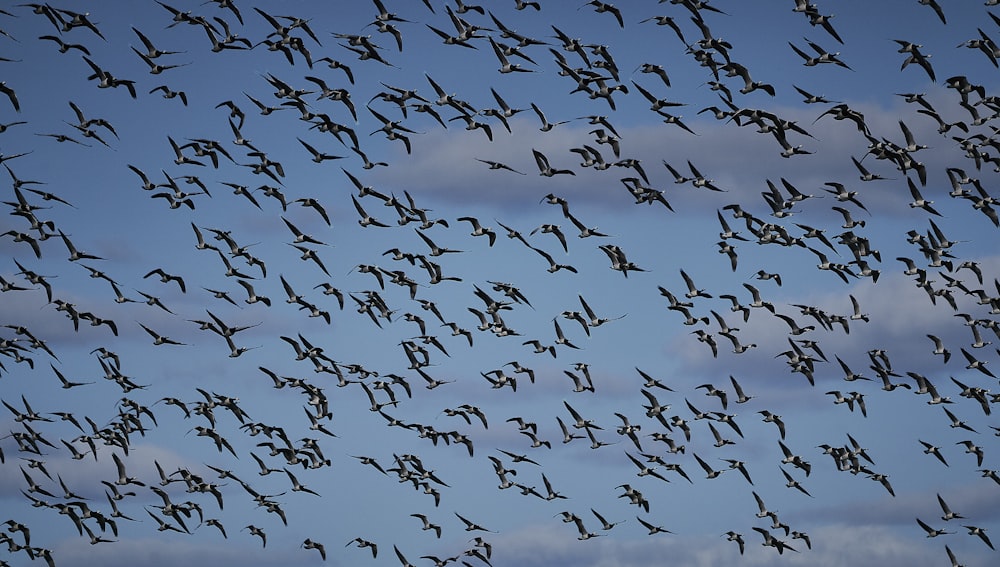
point(849, 517)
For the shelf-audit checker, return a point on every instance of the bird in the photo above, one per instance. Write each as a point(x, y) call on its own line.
point(693, 290)
point(931, 532)
point(974, 449)
point(255, 531)
point(710, 473)
point(976, 364)
point(948, 514)
point(918, 199)
point(318, 156)
point(479, 230)
point(736, 537)
point(361, 543)
point(160, 339)
point(167, 278)
point(981, 534)
point(471, 526)
point(310, 544)
point(546, 125)
point(11, 95)
point(792, 483)
point(545, 169)
point(939, 347)
point(776, 420)
point(811, 98)
point(63, 46)
point(936, 7)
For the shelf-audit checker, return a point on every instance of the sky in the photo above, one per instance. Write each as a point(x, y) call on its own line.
point(302, 394)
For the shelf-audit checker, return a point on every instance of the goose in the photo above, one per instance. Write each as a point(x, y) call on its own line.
point(160, 339)
point(975, 364)
point(64, 138)
point(699, 180)
point(123, 478)
point(839, 398)
point(710, 473)
point(763, 511)
point(932, 4)
point(471, 526)
point(535, 441)
point(568, 436)
point(553, 266)
point(771, 541)
point(252, 296)
point(736, 537)
point(255, 531)
point(318, 156)
point(729, 420)
point(546, 125)
point(301, 237)
point(973, 449)
point(578, 382)
point(948, 514)
point(823, 56)
point(812, 98)
point(584, 384)
point(727, 232)
point(932, 450)
point(310, 254)
point(461, 8)
point(931, 532)
point(151, 51)
point(435, 249)
point(758, 302)
point(578, 317)
point(74, 254)
point(584, 534)
point(366, 219)
point(844, 112)
point(63, 46)
point(792, 483)
point(578, 421)
point(156, 68)
point(164, 526)
point(711, 390)
point(592, 319)
point(980, 533)
point(795, 460)
point(810, 60)
point(737, 306)
point(918, 199)
point(504, 112)
point(473, 124)
point(297, 486)
point(505, 65)
point(519, 458)
point(709, 339)
point(656, 104)
point(775, 419)
point(25, 237)
point(546, 170)
point(693, 290)
point(368, 164)
point(719, 440)
point(843, 195)
point(591, 158)
point(499, 165)
point(427, 525)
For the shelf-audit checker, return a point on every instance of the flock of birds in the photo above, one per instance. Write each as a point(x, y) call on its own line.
point(415, 302)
